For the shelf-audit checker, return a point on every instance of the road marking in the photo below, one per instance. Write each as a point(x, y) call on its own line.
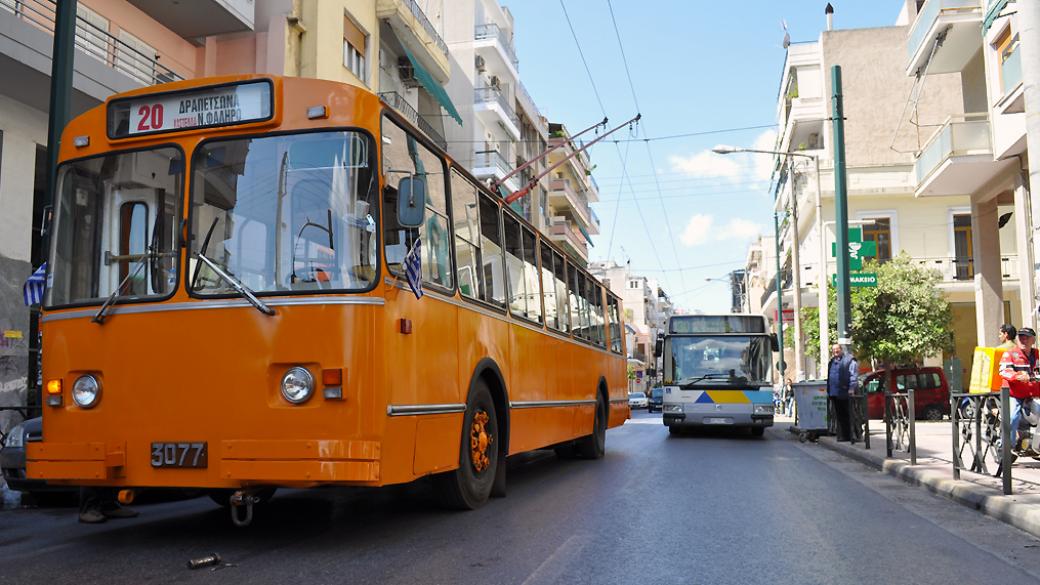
point(553, 568)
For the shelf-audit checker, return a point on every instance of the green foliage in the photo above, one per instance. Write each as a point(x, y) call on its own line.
point(631, 373)
point(901, 321)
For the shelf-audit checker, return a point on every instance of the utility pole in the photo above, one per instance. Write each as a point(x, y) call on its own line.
point(796, 277)
point(841, 210)
point(1029, 41)
point(779, 298)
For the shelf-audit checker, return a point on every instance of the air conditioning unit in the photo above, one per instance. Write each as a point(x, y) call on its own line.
point(481, 63)
point(407, 73)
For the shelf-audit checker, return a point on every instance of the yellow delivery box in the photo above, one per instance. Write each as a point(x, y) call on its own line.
point(985, 370)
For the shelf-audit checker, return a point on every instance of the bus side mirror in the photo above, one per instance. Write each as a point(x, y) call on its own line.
point(411, 202)
point(774, 342)
point(659, 347)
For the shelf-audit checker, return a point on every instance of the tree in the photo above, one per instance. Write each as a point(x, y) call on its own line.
point(902, 320)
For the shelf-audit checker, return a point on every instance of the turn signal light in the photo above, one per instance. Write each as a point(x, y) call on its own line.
point(54, 387)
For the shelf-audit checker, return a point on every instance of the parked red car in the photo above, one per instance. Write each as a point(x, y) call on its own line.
point(931, 391)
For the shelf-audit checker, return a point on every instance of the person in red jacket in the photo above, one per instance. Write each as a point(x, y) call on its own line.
point(1018, 367)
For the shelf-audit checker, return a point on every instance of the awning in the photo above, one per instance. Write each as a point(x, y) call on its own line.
point(991, 15)
point(432, 86)
point(585, 233)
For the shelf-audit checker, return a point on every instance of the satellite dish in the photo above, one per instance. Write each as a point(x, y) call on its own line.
point(787, 35)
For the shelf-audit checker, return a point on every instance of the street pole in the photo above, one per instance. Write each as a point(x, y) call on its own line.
point(779, 299)
point(841, 210)
point(796, 280)
point(1029, 35)
point(823, 301)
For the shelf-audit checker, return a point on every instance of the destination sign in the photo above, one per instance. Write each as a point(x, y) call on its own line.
point(201, 108)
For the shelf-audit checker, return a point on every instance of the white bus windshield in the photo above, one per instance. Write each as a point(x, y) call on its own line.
point(714, 360)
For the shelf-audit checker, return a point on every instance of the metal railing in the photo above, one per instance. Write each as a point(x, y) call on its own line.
point(859, 422)
point(958, 136)
point(427, 25)
point(496, 95)
point(981, 427)
point(962, 268)
point(931, 11)
point(491, 159)
point(397, 102)
point(493, 31)
point(900, 424)
point(94, 41)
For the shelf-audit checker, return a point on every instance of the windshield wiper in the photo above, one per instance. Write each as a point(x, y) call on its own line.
point(237, 285)
point(99, 317)
point(710, 376)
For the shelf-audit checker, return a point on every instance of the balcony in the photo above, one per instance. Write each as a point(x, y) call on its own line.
point(1013, 101)
point(414, 30)
point(961, 269)
point(201, 18)
point(397, 102)
point(493, 106)
point(491, 164)
point(960, 21)
point(957, 159)
point(562, 194)
point(103, 65)
point(569, 237)
point(496, 46)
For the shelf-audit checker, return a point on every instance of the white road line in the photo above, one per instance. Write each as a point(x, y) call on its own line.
point(553, 567)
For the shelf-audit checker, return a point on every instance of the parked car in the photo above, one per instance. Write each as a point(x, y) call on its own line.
point(637, 400)
point(12, 460)
point(931, 391)
point(656, 399)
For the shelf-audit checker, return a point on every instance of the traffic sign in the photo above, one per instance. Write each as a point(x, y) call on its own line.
point(858, 279)
point(858, 249)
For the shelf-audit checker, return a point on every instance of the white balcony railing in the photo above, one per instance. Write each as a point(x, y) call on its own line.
point(929, 13)
point(960, 135)
point(955, 269)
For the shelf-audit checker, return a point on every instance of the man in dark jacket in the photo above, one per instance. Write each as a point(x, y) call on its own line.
point(841, 380)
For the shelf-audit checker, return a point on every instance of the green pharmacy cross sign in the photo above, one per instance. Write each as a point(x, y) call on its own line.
point(858, 250)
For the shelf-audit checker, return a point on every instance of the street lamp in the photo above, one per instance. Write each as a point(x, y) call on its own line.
point(796, 268)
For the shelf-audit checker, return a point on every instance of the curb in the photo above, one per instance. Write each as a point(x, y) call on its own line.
point(1025, 517)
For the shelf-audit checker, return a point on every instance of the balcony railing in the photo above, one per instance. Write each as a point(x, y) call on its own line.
point(561, 228)
point(962, 268)
point(493, 31)
point(427, 25)
point(578, 201)
point(1011, 70)
point(932, 10)
point(961, 135)
point(495, 95)
point(397, 102)
point(94, 41)
point(492, 159)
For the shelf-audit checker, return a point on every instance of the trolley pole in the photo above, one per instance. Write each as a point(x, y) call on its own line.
point(841, 211)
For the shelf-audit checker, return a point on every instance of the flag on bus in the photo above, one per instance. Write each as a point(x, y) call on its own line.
point(413, 268)
point(32, 290)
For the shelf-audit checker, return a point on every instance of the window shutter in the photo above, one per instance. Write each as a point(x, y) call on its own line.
point(353, 35)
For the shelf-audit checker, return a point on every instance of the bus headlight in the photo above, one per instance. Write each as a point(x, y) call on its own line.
point(297, 385)
point(86, 391)
point(673, 408)
point(763, 409)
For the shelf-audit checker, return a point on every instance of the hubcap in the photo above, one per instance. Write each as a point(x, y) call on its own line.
point(479, 441)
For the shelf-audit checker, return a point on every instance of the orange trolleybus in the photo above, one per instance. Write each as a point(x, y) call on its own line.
point(227, 306)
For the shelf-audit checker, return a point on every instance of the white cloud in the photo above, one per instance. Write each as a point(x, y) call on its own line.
point(707, 164)
point(700, 229)
point(763, 163)
point(739, 228)
point(697, 230)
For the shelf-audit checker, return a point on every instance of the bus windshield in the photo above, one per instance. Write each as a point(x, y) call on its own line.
point(284, 213)
point(715, 360)
point(115, 227)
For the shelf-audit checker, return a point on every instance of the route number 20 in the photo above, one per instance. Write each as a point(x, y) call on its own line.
point(151, 117)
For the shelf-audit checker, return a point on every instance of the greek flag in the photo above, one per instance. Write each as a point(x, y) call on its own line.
point(32, 290)
point(413, 268)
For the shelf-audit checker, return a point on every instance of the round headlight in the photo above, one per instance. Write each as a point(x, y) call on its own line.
point(297, 385)
point(86, 391)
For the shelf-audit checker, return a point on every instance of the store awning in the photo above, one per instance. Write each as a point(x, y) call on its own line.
point(432, 86)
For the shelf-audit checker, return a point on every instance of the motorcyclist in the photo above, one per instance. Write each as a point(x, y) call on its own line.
point(1018, 367)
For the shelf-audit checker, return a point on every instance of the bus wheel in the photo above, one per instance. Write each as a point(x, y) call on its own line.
point(595, 445)
point(469, 486)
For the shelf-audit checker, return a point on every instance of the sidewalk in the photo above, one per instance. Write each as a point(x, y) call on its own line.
point(934, 470)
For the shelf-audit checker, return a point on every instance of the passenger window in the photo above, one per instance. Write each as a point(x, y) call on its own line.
point(533, 282)
point(574, 295)
point(615, 324)
point(466, 218)
point(405, 156)
point(560, 276)
point(929, 381)
point(133, 241)
point(491, 252)
point(515, 266)
point(592, 293)
point(552, 312)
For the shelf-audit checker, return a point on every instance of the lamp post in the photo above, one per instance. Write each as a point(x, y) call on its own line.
point(796, 266)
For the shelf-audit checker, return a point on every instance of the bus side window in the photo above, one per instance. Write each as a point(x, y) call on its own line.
point(466, 218)
point(491, 252)
point(552, 314)
point(560, 276)
point(515, 266)
point(534, 291)
point(574, 296)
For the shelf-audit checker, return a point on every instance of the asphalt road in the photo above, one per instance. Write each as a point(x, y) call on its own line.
point(715, 508)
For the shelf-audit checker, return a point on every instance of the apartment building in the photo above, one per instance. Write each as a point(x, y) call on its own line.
point(572, 189)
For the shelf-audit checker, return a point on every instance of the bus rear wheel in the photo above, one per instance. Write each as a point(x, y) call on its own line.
point(469, 486)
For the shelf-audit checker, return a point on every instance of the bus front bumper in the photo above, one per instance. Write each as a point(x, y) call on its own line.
point(717, 419)
point(230, 463)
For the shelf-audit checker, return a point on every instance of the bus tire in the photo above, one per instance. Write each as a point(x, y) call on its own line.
point(594, 446)
point(469, 486)
point(674, 430)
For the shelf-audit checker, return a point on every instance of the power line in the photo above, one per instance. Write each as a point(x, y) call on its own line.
point(617, 206)
point(644, 138)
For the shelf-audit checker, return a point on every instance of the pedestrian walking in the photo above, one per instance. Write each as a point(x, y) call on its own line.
point(788, 398)
point(1018, 367)
point(842, 380)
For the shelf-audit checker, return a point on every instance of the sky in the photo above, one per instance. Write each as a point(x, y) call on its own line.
point(683, 214)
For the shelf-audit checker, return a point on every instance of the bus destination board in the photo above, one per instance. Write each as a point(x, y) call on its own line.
point(202, 108)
